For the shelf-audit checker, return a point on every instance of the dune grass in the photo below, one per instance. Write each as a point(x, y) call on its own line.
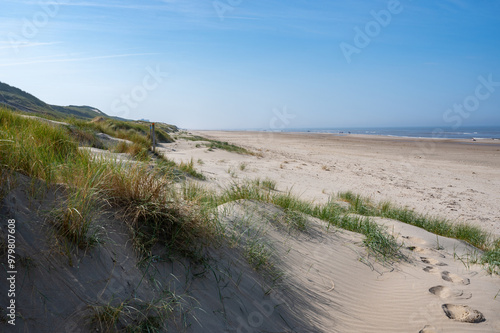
point(134, 315)
point(183, 219)
point(129, 130)
point(188, 167)
point(378, 241)
point(47, 152)
point(136, 150)
point(215, 144)
point(471, 234)
point(269, 184)
point(145, 195)
point(86, 137)
point(151, 204)
point(491, 259)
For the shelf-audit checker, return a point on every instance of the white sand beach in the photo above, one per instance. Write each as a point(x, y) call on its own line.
point(456, 179)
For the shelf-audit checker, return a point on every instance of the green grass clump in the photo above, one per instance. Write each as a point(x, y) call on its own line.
point(85, 199)
point(105, 317)
point(145, 194)
point(74, 218)
point(491, 259)
point(378, 241)
point(258, 256)
point(190, 170)
point(294, 220)
point(86, 137)
point(133, 316)
point(471, 234)
point(136, 132)
point(215, 144)
point(194, 138)
point(33, 147)
point(269, 184)
point(50, 153)
point(359, 205)
point(137, 151)
point(155, 212)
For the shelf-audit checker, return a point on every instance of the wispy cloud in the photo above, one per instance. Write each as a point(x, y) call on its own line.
point(104, 4)
point(9, 45)
point(43, 61)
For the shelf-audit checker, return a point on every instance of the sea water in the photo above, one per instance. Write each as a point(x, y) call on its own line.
point(480, 132)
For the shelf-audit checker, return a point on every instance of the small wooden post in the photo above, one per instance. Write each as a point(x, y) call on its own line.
point(153, 137)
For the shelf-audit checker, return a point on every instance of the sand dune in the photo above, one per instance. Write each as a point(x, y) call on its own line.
point(341, 289)
point(332, 282)
point(451, 178)
point(320, 279)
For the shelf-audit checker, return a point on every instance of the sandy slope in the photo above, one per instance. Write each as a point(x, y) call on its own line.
point(457, 180)
point(328, 282)
point(334, 286)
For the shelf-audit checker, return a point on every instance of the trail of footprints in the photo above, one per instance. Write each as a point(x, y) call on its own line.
point(461, 313)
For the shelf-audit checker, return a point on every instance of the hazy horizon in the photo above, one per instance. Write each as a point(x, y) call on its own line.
point(266, 64)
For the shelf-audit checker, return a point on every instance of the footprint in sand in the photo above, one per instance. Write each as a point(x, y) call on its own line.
point(463, 313)
point(432, 261)
point(422, 250)
point(415, 240)
point(445, 292)
point(431, 269)
point(418, 249)
point(450, 277)
point(428, 329)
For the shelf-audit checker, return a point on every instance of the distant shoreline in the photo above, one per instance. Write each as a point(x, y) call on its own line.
point(472, 141)
point(458, 179)
point(464, 133)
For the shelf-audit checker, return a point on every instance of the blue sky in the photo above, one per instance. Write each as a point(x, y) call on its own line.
point(270, 64)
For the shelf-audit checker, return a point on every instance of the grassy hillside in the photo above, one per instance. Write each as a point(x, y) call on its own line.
point(18, 99)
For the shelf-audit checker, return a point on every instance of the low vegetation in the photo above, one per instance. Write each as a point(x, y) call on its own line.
point(137, 151)
point(137, 132)
point(188, 167)
point(491, 259)
point(215, 144)
point(145, 195)
point(471, 234)
point(439, 226)
point(183, 218)
point(378, 241)
point(134, 315)
point(18, 99)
